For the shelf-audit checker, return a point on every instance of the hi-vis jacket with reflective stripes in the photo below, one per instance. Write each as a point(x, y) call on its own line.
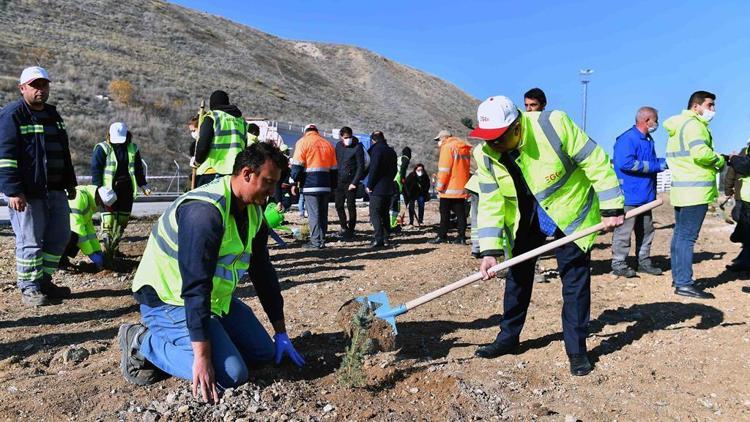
point(159, 267)
point(568, 173)
point(82, 209)
point(314, 164)
point(230, 138)
point(23, 159)
point(454, 168)
point(692, 160)
point(110, 164)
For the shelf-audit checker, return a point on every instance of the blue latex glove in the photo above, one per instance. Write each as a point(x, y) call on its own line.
point(283, 346)
point(98, 259)
point(663, 164)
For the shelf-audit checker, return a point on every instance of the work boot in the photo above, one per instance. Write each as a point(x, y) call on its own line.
point(135, 368)
point(580, 365)
point(30, 297)
point(648, 268)
point(626, 272)
point(459, 241)
point(495, 349)
point(53, 291)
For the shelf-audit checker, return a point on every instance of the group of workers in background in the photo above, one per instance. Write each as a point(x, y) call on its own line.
point(537, 176)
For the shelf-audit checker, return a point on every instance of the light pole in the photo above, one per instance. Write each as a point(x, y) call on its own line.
point(585, 78)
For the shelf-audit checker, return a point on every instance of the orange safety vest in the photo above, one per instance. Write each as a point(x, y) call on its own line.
point(454, 168)
point(318, 158)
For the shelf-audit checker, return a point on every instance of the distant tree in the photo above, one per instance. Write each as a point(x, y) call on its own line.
point(121, 91)
point(466, 121)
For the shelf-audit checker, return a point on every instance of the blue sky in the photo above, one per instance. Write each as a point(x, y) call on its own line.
point(643, 52)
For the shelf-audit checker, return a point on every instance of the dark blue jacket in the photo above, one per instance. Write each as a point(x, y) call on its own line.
point(636, 165)
point(383, 168)
point(23, 163)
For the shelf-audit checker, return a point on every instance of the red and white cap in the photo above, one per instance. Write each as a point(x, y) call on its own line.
point(494, 116)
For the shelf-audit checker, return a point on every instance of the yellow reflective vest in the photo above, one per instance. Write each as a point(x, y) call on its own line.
point(110, 165)
point(159, 266)
point(567, 172)
point(82, 209)
point(230, 138)
point(692, 160)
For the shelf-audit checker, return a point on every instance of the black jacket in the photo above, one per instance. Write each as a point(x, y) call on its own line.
point(23, 167)
point(351, 161)
point(382, 170)
point(416, 186)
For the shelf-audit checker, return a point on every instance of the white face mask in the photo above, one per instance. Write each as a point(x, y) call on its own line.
point(653, 128)
point(708, 115)
point(420, 172)
point(194, 134)
point(347, 141)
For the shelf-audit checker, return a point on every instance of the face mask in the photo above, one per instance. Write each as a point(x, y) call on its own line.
point(194, 134)
point(708, 114)
point(420, 172)
point(652, 129)
point(347, 141)
point(440, 143)
point(252, 138)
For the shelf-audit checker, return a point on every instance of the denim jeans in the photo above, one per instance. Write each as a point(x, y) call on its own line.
point(419, 211)
point(42, 232)
point(688, 222)
point(237, 340)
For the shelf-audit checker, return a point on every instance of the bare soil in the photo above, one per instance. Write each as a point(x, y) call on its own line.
point(656, 355)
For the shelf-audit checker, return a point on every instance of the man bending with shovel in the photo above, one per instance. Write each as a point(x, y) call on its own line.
point(540, 175)
point(193, 325)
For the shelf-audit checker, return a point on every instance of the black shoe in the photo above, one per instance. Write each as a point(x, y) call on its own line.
point(459, 241)
point(135, 368)
point(376, 245)
point(438, 240)
point(691, 291)
point(649, 269)
point(495, 349)
point(476, 255)
point(626, 272)
point(580, 365)
point(746, 289)
point(53, 291)
point(34, 298)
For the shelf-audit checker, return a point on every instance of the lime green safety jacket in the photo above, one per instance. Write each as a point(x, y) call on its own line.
point(230, 138)
point(567, 172)
point(110, 165)
point(82, 209)
point(692, 160)
point(159, 267)
point(473, 184)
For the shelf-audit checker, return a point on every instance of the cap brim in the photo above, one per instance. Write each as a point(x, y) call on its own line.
point(34, 79)
point(118, 140)
point(488, 134)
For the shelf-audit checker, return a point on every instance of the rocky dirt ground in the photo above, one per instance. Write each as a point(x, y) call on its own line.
point(657, 355)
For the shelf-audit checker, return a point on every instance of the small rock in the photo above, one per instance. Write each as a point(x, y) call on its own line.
point(253, 408)
point(414, 390)
point(75, 354)
point(747, 403)
point(228, 393)
point(327, 408)
point(171, 397)
point(478, 392)
point(570, 418)
point(183, 409)
point(12, 389)
point(150, 416)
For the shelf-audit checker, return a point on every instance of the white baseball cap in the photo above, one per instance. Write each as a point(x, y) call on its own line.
point(30, 74)
point(107, 195)
point(310, 126)
point(494, 116)
point(118, 133)
point(442, 133)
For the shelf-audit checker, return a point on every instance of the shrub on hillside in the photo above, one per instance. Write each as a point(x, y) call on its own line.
point(121, 91)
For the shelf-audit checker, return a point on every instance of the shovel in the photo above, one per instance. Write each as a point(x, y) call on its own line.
point(382, 308)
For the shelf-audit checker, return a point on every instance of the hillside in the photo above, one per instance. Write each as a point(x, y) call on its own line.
point(156, 61)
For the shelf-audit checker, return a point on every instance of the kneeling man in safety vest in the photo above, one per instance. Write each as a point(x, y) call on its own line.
point(540, 175)
point(193, 325)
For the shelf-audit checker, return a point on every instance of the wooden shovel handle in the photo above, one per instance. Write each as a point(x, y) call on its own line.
point(525, 256)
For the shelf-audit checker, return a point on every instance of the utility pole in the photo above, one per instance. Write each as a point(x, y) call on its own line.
point(585, 79)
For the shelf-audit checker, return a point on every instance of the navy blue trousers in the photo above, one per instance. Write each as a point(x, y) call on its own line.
point(574, 267)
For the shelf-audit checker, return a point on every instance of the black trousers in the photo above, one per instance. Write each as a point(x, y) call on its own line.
point(573, 265)
point(381, 222)
point(345, 201)
point(458, 207)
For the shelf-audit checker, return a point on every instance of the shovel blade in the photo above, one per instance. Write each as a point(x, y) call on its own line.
point(381, 307)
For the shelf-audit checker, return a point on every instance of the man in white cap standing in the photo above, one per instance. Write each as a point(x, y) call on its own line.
point(540, 175)
point(36, 171)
